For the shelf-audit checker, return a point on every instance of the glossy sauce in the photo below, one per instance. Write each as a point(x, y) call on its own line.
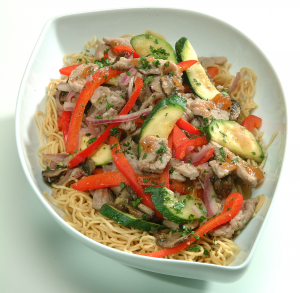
point(223, 103)
point(148, 143)
point(87, 71)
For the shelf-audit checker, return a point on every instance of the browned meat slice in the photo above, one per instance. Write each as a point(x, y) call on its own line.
point(239, 221)
point(117, 41)
point(241, 168)
point(102, 49)
point(208, 110)
point(235, 110)
point(78, 76)
point(184, 169)
point(212, 60)
point(171, 85)
point(128, 126)
point(155, 154)
point(150, 101)
point(155, 85)
point(105, 98)
point(102, 196)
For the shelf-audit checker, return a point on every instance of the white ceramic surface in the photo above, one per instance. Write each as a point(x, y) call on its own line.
point(210, 37)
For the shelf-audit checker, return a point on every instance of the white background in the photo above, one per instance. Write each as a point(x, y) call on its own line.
point(36, 255)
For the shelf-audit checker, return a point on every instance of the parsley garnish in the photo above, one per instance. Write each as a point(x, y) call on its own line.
point(162, 149)
point(195, 248)
point(136, 202)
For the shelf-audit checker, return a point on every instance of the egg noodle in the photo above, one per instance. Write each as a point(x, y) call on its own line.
point(77, 205)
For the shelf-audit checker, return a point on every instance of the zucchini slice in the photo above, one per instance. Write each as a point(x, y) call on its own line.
point(178, 209)
point(101, 156)
point(148, 44)
point(236, 138)
point(162, 118)
point(195, 76)
point(128, 220)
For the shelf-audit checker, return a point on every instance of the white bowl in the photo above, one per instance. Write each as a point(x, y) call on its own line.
point(210, 37)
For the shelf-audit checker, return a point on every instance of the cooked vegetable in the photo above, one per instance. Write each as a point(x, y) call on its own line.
point(101, 156)
point(85, 153)
point(188, 127)
point(65, 121)
point(232, 206)
point(178, 209)
point(195, 76)
point(126, 50)
point(251, 121)
point(212, 71)
point(148, 44)
point(196, 142)
point(162, 118)
point(128, 220)
point(236, 138)
point(97, 79)
point(68, 70)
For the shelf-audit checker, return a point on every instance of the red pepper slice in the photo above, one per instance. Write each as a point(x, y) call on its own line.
point(68, 70)
point(184, 65)
point(99, 179)
point(98, 78)
point(212, 71)
point(125, 50)
point(196, 142)
point(178, 137)
point(205, 158)
point(186, 88)
point(188, 126)
point(65, 120)
point(86, 152)
point(232, 206)
point(59, 123)
point(251, 121)
point(126, 169)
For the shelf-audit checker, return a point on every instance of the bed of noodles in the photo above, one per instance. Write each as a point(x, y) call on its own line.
point(77, 205)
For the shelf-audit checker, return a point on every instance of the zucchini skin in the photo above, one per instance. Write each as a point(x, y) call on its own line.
point(195, 76)
point(173, 101)
point(141, 44)
point(128, 220)
point(244, 145)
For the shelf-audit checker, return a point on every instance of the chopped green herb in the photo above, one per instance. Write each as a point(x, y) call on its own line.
point(122, 185)
point(146, 180)
point(148, 79)
point(195, 248)
point(162, 149)
point(136, 202)
point(144, 156)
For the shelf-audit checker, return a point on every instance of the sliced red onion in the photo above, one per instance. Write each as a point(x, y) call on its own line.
point(58, 104)
point(209, 202)
point(196, 211)
point(130, 87)
point(59, 112)
point(120, 118)
point(89, 78)
point(65, 87)
point(69, 106)
point(70, 95)
point(125, 80)
point(76, 173)
point(235, 82)
point(196, 156)
point(57, 158)
point(86, 130)
point(52, 165)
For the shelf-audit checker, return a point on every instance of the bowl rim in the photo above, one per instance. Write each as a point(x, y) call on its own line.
point(72, 230)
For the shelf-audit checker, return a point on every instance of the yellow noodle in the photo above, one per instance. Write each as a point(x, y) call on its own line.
point(77, 205)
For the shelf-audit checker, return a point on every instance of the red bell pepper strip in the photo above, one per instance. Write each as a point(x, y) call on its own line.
point(127, 50)
point(126, 169)
point(99, 179)
point(188, 126)
point(196, 142)
point(86, 152)
point(68, 70)
point(184, 65)
point(65, 120)
point(212, 71)
point(59, 123)
point(232, 206)
point(251, 121)
point(205, 158)
point(165, 176)
point(186, 88)
point(98, 78)
point(178, 137)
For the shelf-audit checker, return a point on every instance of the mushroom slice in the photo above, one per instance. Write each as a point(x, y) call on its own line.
point(143, 208)
point(235, 110)
point(223, 186)
point(135, 212)
point(126, 195)
point(52, 176)
point(168, 239)
point(88, 167)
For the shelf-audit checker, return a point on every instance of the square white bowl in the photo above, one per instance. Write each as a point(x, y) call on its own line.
point(210, 37)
